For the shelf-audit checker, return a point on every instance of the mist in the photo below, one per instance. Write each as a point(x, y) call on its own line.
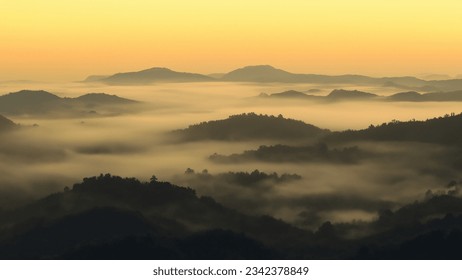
point(62, 150)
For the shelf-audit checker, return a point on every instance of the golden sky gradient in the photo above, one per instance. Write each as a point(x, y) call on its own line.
point(68, 40)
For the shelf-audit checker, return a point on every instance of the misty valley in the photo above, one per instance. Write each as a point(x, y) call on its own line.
point(257, 163)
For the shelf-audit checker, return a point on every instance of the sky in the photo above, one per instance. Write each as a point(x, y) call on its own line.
point(62, 40)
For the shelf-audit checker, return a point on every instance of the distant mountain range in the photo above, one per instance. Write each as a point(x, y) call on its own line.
point(33, 102)
point(345, 95)
point(269, 74)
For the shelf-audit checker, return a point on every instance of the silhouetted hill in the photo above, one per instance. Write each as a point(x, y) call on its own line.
point(6, 124)
point(26, 97)
point(118, 208)
point(249, 127)
point(284, 153)
point(442, 130)
point(260, 73)
point(153, 75)
point(266, 73)
point(30, 102)
point(427, 97)
point(254, 179)
point(431, 229)
point(103, 99)
point(269, 74)
point(346, 95)
point(405, 96)
point(337, 94)
point(291, 94)
point(109, 217)
point(443, 96)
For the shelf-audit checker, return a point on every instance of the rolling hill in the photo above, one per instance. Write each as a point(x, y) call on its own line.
point(39, 102)
point(441, 130)
point(355, 95)
point(249, 127)
point(109, 217)
point(107, 211)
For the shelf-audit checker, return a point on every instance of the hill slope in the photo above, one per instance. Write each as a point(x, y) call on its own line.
point(108, 211)
point(442, 130)
point(249, 127)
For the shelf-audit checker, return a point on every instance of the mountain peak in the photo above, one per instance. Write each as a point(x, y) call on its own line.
point(259, 73)
point(342, 93)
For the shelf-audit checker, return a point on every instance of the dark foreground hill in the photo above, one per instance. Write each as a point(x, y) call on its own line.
point(108, 217)
point(111, 214)
point(249, 127)
point(39, 102)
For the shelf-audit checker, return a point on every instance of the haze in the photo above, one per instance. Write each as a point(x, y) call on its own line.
point(61, 151)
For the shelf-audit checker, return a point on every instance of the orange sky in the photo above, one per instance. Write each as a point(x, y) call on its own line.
point(60, 40)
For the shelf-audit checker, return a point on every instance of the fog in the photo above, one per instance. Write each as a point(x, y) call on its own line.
point(58, 152)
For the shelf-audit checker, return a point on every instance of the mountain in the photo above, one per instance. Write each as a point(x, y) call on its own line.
point(339, 94)
point(37, 102)
point(269, 74)
point(154, 75)
point(345, 95)
point(260, 73)
point(249, 127)
point(6, 124)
